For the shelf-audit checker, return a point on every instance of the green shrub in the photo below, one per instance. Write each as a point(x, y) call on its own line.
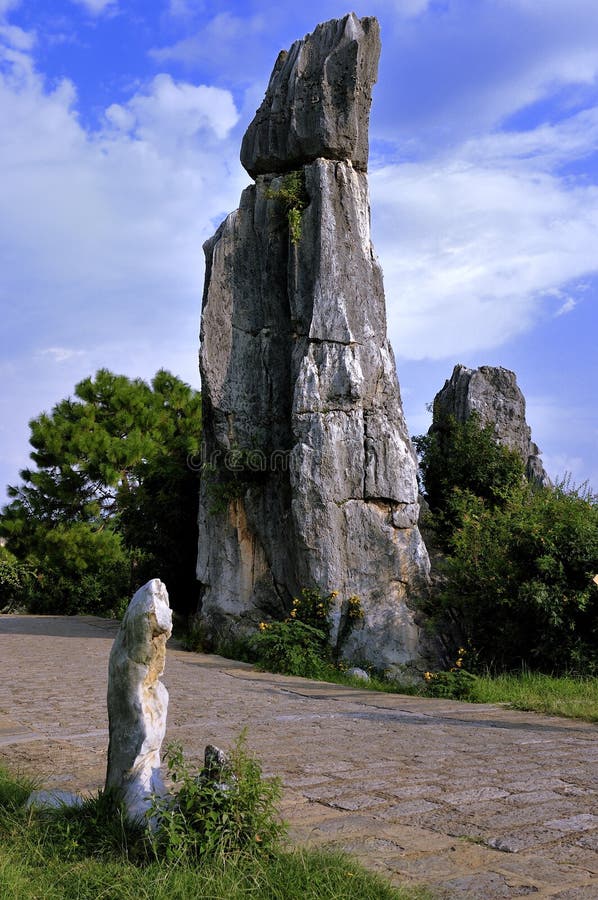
point(293, 648)
point(464, 457)
point(293, 196)
point(233, 810)
point(80, 569)
point(519, 560)
point(519, 580)
point(455, 683)
point(301, 644)
point(16, 581)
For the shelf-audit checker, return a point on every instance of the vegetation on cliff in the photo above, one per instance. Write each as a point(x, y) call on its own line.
point(516, 584)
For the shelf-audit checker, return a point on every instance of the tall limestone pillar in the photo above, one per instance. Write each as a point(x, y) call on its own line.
point(310, 477)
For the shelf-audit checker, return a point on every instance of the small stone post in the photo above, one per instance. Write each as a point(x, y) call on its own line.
point(137, 699)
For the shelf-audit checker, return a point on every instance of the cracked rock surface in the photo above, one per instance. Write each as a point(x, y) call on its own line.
point(494, 395)
point(310, 478)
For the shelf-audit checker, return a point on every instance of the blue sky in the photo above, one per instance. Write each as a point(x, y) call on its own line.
point(120, 128)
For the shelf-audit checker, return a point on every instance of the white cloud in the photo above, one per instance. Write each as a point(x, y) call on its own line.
point(474, 243)
point(465, 67)
point(184, 8)
point(16, 37)
point(403, 8)
point(568, 306)
point(171, 112)
point(224, 38)
point(6, 5)
point(61, 354)
point(96, 7)
point(101, 232)
point(566, 433)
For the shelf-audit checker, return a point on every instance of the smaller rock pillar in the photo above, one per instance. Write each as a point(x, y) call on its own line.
point(137, 699)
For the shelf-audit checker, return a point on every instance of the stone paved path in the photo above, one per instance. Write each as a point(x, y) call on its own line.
point(475, 801)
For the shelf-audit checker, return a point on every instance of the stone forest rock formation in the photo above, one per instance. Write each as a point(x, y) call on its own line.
point(491, 392)
point(310, 477)
point(137, 699)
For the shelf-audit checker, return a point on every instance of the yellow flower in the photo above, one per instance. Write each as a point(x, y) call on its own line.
point(263, 626)
point(428, 676)
point(335, 593)
point(293, 613)
point(461, 651)
point(459, 663)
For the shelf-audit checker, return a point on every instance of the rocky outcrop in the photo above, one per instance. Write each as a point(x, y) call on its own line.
point(317, 104)
point(493, 394)
point(310, 477)
point(137, 699)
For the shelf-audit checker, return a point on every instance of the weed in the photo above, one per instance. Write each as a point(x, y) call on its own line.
point(293, 196)
point(455, 683)
point(231, 810)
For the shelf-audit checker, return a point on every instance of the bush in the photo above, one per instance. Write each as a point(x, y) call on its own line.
point(464, 457)
point(80, 569)
point(516, 582)
point(301, 644)
point(293, 648)
point(16, 580)
point(232, 810)
point(293, 197)
point(519, 580)
point(455, 683)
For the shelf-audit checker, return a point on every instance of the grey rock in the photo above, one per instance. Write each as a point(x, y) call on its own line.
point(137, 699)
point(218, 770)
point(491, 392)
point(56, 799)
point(318, 100)
point(357, 672)
point(299, 384)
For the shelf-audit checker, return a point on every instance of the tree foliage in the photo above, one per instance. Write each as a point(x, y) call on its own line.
point(110, 491)
point(465, 457)
point(518, 573)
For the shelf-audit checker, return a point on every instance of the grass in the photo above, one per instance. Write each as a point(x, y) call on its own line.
point(89, 854)
point(568, 696)
point(288, 876)
point(575, 698)
point(375, 682)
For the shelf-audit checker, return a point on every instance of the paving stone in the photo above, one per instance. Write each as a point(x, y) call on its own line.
point(580, 892)
point(475, 795)
point(409, 808)
point(485, 886)
point(352, 803)
point(381, 847)
point(524, 840)
point(544, 869)
point(582, 822)
point(589, 841)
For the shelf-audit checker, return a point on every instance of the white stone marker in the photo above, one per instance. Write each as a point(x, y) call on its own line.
point(137, 699)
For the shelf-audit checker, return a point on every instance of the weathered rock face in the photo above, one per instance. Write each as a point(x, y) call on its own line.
point(137, 699)
point(491, 392)
point(318, 100)
point(300, 391)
